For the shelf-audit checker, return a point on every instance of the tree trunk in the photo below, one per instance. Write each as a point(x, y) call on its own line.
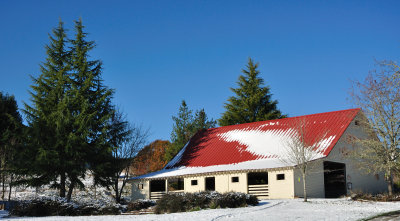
point(70, 189)
point(117, 195)
point(122, 188)
point(304, 187)
point(3, 186)
point(62, 185)
point(390, 184)
point(9, 193)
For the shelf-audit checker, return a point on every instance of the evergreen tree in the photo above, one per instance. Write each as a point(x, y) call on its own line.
point(185, 126)
point(252, 102)
point(201, 121)
point(48, 118)
point(11, 132)
point(69, 117)
point(91, 111)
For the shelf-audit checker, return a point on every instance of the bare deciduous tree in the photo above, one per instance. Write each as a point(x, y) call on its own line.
point(379, 98)
point(124, 155)
point(302, 150)
point(126, 141)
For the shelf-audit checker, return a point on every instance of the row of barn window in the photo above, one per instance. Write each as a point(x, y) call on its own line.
point(259, 178)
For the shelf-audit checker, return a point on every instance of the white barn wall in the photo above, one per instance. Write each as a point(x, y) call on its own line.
point(201, 185)
point(140, 193)
point(359, 179)
point(281, 189)
point(223, 183)
point(314, 182)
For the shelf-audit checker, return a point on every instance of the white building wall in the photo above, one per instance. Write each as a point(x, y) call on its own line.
point(223, 183)
point(359, 179)
point(314, 182)
point(281, 189)
point(371, 183)
point(201, 185)
point(138, 192)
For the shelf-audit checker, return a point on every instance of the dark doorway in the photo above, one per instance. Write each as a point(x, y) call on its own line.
point(334, 179)
point(175, 184)
point(157, 186)
point(258, 178)
point(210, 183)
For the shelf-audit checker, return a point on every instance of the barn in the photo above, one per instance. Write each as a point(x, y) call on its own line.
point(249, 157)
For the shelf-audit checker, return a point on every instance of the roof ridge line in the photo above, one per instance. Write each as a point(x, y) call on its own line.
point(274, 120)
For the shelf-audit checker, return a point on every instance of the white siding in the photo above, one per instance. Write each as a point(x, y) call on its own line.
point(138, 193)
point(359, 179)
point(281, 189)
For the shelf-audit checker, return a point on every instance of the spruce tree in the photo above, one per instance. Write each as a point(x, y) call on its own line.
point(47, 117)
point(92, 109)
point(252, 102)
point(68, 120)
point(11, 135)
point(185, 126)
point(181, 130)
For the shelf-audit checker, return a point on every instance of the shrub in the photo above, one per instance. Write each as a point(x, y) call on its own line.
point(181, 202)
point(172, 203)
point(378, 197)
point(60, 207)
point(140, 204)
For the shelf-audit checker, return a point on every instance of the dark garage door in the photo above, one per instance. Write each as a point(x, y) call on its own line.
point(334, 179)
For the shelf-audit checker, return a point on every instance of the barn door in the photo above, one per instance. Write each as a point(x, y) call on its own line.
point(334, 179)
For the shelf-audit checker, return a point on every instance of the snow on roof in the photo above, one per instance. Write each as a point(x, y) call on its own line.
point(258, 145)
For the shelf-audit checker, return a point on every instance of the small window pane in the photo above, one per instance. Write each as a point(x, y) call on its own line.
point(194, 182)
point(235, 179)
point(280, 176)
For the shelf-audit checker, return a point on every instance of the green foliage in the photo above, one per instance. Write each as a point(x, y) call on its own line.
point(11, 138)
point(252, 102)
point(181, 202)
point(49, 116)
point(69, 116)
point(185, 126)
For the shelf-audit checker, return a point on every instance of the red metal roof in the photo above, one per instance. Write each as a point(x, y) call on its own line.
point(240, 143)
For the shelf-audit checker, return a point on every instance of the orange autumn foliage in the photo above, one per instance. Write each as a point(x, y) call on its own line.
point(150, 158)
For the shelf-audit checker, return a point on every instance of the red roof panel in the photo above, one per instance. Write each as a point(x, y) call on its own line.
point(240, 143)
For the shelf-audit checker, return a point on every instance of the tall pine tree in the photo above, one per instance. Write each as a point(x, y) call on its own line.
point(252, 102)
point(11, 135)
point(69, 117)
point(47, 117)
point(185, 126)
point(91, 111)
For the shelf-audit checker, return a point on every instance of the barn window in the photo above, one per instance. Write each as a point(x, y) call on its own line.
point(280, 176)
point(235, 179)
point(194, 182)
point(356, 122)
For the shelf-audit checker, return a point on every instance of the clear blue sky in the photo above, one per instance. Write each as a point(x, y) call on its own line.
point(157, 53)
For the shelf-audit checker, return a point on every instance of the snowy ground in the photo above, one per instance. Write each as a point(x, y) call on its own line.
point(316, 209)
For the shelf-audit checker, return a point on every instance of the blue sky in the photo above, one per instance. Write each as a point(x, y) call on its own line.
point(156, 53)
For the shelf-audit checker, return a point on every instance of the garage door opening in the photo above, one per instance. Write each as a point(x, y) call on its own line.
point(334, 179)
point(210, 183)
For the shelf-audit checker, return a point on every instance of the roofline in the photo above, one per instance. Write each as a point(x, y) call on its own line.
point(277, 120)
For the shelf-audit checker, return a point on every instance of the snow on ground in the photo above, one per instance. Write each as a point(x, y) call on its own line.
point(295, 209)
